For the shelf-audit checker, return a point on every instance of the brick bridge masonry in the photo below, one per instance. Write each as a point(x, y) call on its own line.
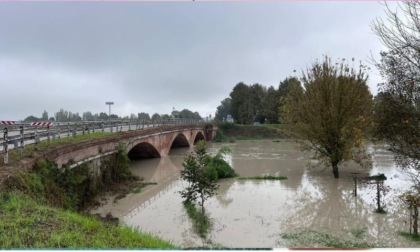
point(144, 143)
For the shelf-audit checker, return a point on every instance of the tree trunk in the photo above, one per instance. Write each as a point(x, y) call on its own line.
point(378, 196)
point(415, 218)
point(335, 170)
point(202, 213)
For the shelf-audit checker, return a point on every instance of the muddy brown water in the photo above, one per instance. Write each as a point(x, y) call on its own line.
point(255, 214)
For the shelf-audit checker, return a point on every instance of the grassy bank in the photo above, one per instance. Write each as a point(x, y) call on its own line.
point(38, 206)
point(231, 132)
point(27, 224)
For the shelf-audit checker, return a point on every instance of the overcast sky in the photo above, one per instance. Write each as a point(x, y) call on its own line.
point(151, 57)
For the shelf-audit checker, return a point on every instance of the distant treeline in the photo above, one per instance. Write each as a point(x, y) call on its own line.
point(68, 116)
point(255, 103)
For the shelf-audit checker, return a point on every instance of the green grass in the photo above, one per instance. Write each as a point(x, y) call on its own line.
point(27, 224)
point(142, 185)
point(196, 218)
point(410, 236)
point(273, 126)
point(265, 177)
point(358, 233)
point(312, 239)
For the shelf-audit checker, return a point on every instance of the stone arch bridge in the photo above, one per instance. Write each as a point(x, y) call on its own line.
point(143, 143)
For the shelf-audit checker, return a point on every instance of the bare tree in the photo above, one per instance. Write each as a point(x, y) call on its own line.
point(397, 112)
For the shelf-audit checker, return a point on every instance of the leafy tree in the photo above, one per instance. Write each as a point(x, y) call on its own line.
point(247, 103)
point(223, 109)
point(103, 116)
point(74, 117)
point(271, 105)
point(87, 116)
point(284, 90)
point(200, 185)
point(256, 96)
point(165, 116)
point(44, 116)
point(62, 116)
point(113, 116)
point(185, 113)
point(239, 104)
point(156, 117)
point(144, 116)
point(133, 116)
point(332, 115)
point(31, 119)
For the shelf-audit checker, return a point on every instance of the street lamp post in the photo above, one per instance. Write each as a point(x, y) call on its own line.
point(109, 104)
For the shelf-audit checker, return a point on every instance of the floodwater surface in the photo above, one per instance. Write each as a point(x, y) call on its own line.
point(267, 214)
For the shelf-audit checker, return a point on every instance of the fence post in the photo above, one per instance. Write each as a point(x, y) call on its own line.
point(36, 138)
point(48, 131)
point(22, 140)
point(5, 146)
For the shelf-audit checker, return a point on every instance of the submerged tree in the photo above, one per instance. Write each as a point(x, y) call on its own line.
point(200, 185)
point(332, 114)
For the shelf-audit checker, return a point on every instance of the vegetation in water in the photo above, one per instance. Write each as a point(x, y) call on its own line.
point(265, 177)
point(413, 237)
point(317, 239)
point(25, 223)
point(202, 228)
point(201, 171)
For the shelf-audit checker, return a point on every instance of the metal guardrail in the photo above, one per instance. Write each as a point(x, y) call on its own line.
point(19, 134)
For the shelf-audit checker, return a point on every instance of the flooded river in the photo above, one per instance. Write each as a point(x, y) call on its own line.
point(266, 214)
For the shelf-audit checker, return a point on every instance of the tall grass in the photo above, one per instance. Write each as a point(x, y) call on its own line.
point(27, 224)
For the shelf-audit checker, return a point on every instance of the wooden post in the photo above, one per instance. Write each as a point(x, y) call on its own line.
point(5, 147)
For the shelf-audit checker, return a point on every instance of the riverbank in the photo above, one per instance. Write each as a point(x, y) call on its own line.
point(28, 224)
point(45, 207)
point(230, 132)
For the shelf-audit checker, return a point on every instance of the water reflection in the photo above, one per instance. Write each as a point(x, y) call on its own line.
point(249, 213)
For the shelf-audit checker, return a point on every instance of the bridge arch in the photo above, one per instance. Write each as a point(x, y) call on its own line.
point(143, 150)
point(180, 140)
point(198, 136)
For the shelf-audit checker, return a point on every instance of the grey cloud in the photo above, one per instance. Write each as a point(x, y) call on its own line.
point(154, 56)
